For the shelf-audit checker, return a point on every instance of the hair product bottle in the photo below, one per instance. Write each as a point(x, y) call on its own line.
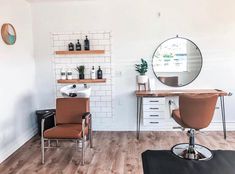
point(71, 46)
point(86, 44)
point(78, 46)
point(99, 73)
point(63, 74)
point(93, 72)
point(69, 75)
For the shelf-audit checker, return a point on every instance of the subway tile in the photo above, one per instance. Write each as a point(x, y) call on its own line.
point(104, 42)
point(100, 104)
point(100, 93)
point(109, 114)
point(101, 114)
point(95, 109)
point(92, 104)
point(101, 97)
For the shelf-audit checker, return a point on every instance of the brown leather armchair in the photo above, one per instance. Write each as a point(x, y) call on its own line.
point(195, 112)
point(72, 122)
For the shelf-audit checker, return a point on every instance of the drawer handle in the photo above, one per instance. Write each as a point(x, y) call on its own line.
point(154, 115)
point(154, 101)
point(154, 122)
point(154, 108)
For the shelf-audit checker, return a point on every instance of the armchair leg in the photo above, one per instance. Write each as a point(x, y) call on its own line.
point(90, 133)
point(42, 150)
point(49, 143)
point(90, 138)
point(77, 145)
point(83, 151)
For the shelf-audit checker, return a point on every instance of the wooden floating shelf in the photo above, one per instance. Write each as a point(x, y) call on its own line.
point(80, 52)
point(82, 81)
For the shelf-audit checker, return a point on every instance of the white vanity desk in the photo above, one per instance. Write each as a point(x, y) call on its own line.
point(151, 104)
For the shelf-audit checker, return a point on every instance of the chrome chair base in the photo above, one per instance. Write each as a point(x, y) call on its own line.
point(198, 152)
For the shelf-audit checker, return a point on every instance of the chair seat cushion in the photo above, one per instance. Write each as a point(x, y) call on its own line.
point(177, 118)
point(65, 131)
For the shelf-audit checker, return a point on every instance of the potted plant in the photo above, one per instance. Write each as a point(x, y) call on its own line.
point(142, 69)
point(80, 70)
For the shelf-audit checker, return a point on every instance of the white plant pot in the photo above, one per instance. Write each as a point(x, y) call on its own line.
point(142, 79)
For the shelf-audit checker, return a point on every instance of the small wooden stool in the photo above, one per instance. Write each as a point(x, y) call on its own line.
point(142, 84)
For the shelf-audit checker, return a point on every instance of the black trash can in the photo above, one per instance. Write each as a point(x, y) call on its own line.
point(49, 123)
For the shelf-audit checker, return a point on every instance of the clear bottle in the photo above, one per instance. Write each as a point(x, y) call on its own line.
point(93, 72)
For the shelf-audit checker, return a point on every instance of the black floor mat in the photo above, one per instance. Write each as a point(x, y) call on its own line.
point(164, 162)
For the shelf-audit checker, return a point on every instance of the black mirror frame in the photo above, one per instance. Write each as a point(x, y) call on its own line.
point(198, 71)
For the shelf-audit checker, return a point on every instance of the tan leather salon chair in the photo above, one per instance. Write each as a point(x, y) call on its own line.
point(171, 81)
point(72, 122)
point(195, 112)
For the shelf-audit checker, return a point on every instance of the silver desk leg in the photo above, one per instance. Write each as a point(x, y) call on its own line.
point(139, 113)
point(137, 125)
point(223, 115)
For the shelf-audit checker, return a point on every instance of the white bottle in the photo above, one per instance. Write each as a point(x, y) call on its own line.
point(93, 73)
point(69, 75)
point(63, 74)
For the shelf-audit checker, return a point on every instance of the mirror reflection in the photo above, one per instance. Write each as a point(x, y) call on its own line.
point(177, 62)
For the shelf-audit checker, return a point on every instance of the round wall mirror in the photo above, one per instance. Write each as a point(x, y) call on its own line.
point(8, 34)
point(177, 62)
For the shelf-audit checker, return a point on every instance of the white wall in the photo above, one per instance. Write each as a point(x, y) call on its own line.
point(17, 74)
point(137, 30)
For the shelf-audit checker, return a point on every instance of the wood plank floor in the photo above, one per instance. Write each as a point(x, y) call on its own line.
point(113, 153)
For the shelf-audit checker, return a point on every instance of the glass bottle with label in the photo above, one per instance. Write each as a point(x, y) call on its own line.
point(69, 75)
point(78, 46)
point(86, 44)
point(63, 74)
point(71, 46)
point(99, 73)
point(93, 72)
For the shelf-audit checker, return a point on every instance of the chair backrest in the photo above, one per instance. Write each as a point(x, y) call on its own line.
point(70, 110)
point(196, 111)
point(172, 81)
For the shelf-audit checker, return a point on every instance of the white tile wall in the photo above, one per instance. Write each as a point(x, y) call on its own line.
point(101, 96)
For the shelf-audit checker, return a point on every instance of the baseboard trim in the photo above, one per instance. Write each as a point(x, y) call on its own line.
point(19, 142)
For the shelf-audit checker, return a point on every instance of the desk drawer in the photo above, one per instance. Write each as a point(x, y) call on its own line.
point(151, 122)
point(153, 108)
point(154, 101)
point(153, 115)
